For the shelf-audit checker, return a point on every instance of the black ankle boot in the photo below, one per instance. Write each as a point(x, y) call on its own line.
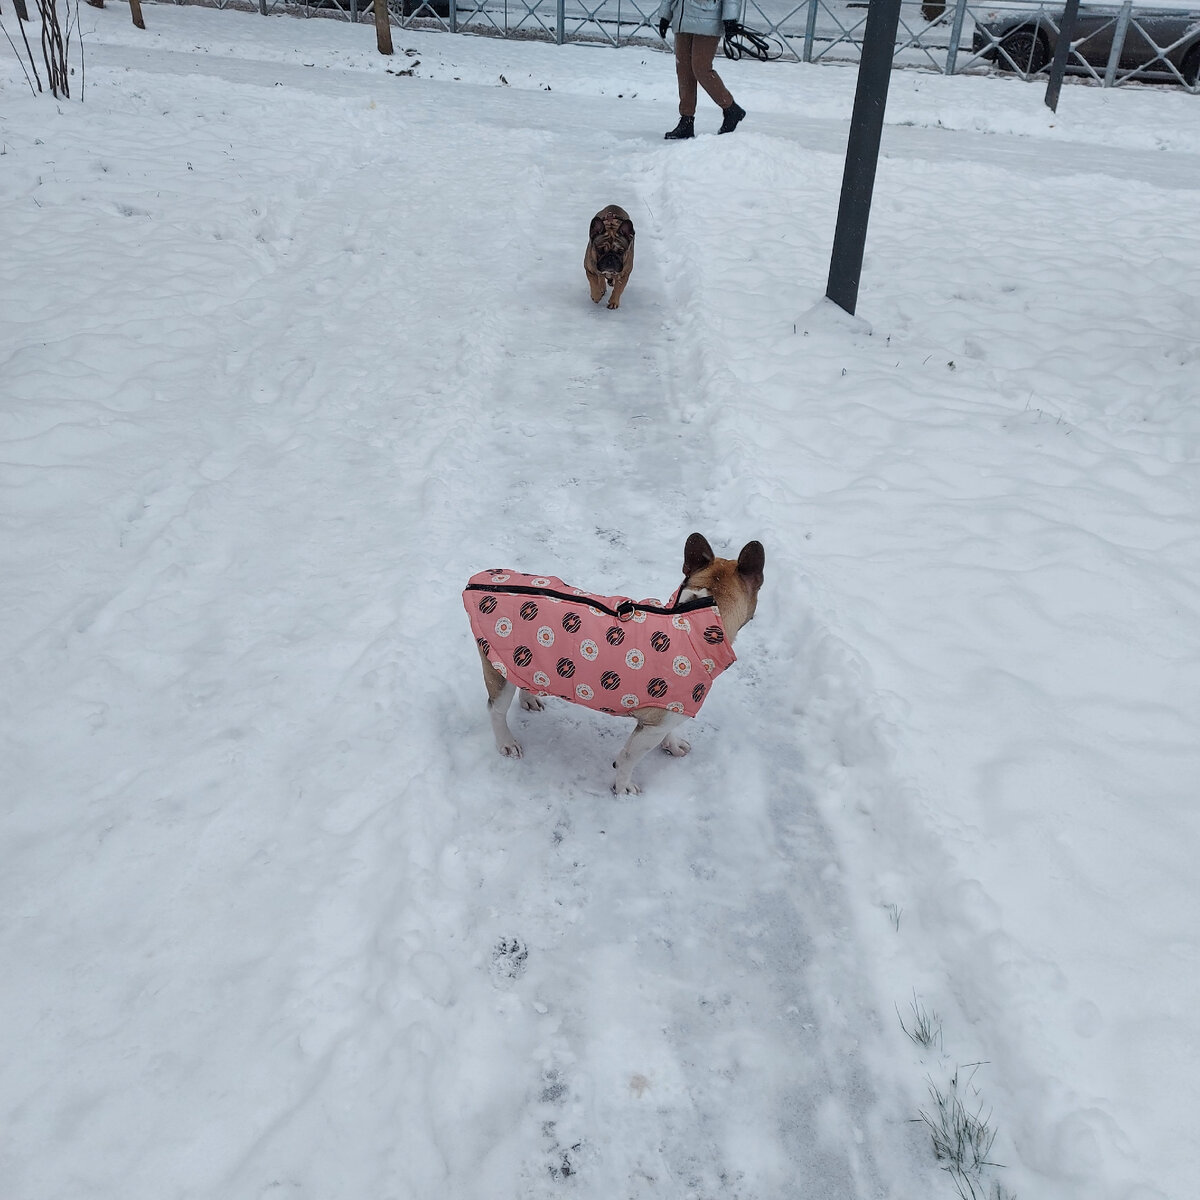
point(733, 114)
point(685, 129)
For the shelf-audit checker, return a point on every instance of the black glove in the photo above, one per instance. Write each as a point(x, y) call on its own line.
point(731, 28)
point(663, 26)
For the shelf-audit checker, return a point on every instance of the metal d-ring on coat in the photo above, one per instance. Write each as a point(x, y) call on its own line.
point(705, 17)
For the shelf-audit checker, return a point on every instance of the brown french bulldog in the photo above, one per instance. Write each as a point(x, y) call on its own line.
point(609, 257)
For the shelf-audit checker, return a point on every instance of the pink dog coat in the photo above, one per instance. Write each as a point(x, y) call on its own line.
point(609, 653)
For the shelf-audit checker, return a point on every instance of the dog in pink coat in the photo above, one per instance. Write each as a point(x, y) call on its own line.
point(645, 659)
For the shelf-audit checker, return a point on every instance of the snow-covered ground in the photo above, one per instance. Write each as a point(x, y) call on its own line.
point(291, 345)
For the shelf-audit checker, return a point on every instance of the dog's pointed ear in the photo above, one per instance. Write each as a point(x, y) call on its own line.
point(751, 561)
point(697, 554)
point(595, 229)
point(627, 230)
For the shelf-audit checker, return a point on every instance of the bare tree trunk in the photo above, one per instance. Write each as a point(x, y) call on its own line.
point(96, 3)
point(135, 11)
point(29, 54)
point(383, 27)
point(54, 50)
point(22, 11)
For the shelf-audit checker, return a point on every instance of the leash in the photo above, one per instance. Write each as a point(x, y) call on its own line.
point(748, 43)
point(623, 611)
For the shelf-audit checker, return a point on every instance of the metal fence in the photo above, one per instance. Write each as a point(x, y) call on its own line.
point(1111, 44)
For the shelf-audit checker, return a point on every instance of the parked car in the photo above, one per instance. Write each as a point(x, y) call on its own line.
point(1024, 39)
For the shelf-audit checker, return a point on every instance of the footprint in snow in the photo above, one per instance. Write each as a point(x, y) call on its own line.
point(508, 960)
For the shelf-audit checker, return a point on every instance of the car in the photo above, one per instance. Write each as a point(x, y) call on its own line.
point(1161, 43)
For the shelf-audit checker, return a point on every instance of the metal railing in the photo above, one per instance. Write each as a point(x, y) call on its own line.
point(1111, 44)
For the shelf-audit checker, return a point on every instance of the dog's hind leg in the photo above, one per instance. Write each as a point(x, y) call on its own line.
point(500, 696)
point(655, 726)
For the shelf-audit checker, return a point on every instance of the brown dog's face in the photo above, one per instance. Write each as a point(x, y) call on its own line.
point(610, 242)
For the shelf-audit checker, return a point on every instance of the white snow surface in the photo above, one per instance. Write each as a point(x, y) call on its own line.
point(291, 345)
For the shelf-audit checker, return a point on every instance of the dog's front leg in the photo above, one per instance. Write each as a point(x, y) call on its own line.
point(677, 747)
point(597, 284)
point(614, 301)
point(654, 727)
point(621, 280)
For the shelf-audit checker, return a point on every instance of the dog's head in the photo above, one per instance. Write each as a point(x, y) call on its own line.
point(610, 237)
point(610, 262)
point(733, 584)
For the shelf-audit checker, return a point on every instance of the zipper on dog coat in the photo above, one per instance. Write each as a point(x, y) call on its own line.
point(610, 653)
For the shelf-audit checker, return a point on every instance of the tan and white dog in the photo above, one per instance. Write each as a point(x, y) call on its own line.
point(608, 259)
point(645, 659)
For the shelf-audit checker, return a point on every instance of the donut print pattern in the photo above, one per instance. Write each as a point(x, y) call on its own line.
point(605, 652)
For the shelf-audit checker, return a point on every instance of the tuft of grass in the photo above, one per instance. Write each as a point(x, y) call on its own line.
point(924, 1028)
point(894, 912)
point(962, 1138)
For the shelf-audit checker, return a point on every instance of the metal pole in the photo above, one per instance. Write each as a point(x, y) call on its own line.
point(862, 152)
point(960, 11)
point(810, 29)
point(1062, 48)
point(1114, 57)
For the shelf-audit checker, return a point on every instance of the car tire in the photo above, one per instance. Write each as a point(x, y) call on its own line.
point(1191, 67)
point(1027, 50)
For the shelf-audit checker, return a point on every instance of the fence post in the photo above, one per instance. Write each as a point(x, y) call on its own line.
point(1062, 50)
point(452, 15)
point(560, 33)
point(960, 13)
point(810, 29)
point(1114, 55)
point(862, 152)
point(383, 27)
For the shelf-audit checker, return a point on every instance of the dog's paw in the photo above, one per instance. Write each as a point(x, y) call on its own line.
point(614, 304)
point(628, 789)
point(675, 746)
point(510, 748)
point(531, 703)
